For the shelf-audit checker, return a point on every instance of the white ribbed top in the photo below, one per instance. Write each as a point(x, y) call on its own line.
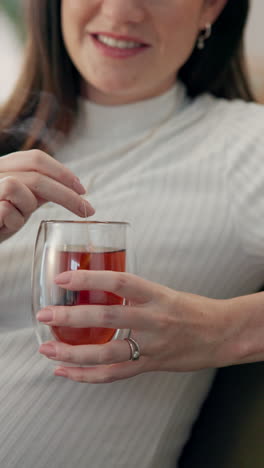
point(194, 195)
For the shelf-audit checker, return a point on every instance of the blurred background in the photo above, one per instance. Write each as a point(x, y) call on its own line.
point(12, 38)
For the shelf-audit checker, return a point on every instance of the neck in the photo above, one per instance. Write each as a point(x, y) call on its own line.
point(118, 98)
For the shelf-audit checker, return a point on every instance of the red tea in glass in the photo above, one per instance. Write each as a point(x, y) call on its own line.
point(74, 260)
point(78, 245)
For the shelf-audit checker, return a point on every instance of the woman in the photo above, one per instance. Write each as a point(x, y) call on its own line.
point(144, 101)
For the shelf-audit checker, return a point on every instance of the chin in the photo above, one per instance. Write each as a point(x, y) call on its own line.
point(120, 88)
point(115, 86)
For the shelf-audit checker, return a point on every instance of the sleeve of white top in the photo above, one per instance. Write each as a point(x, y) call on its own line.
point(245, 175)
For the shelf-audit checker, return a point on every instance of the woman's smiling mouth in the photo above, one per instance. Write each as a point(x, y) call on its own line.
point(115, 46)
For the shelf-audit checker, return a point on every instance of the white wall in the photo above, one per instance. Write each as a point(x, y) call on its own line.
point(255, 30)
point(255, 47)
point(10, 56)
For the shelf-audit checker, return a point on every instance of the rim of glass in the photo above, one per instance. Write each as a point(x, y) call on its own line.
point(62, 221)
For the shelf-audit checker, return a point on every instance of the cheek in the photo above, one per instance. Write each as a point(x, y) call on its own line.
point(75, 8)
point(177, 36)
point(74, 14)
point(67, 22)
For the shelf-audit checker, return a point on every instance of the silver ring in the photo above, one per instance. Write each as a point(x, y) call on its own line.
point(134, 348)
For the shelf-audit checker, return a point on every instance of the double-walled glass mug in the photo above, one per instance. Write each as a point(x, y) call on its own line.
point(78, 245)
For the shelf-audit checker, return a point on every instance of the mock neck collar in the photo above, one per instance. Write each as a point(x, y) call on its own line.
point(128, 120)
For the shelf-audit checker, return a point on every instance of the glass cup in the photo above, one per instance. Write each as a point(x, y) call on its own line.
point(78, 245)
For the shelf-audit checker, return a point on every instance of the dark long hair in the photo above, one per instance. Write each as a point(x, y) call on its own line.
point(44, 101)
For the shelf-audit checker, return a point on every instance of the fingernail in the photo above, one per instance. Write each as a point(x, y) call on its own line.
point(86, 209)
point(78, 187)
point(60, 372)
point(45, 315)
point(48, 350)
point(63, 278)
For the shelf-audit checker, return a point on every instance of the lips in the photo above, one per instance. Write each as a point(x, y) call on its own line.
point(117, 37)
point(116, 46)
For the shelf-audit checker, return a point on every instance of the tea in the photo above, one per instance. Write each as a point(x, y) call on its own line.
point(83, 260)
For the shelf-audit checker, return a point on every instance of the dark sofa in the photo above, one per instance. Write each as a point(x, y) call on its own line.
point(229, 432)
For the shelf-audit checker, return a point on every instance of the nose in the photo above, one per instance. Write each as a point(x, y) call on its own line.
point(123, 11)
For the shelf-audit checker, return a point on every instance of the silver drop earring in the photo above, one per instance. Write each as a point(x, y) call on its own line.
point(204, 35)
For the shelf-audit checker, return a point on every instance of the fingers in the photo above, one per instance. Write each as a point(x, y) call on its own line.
point(15, 192)
point(83, 316)
point(40, 162)
point(48, 189)
point(10, 218)
point(102, 374)
point(112, 352)
point(125, 285)
point(47, 179)
point(19, 198)
point(45, 189)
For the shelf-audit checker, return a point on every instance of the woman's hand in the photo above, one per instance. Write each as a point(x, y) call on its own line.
point(30, 178)
point(176, 331)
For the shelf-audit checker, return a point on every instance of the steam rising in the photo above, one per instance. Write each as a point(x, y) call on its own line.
point(29, 125)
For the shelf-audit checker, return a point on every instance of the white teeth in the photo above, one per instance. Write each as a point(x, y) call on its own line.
point(111, 42)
